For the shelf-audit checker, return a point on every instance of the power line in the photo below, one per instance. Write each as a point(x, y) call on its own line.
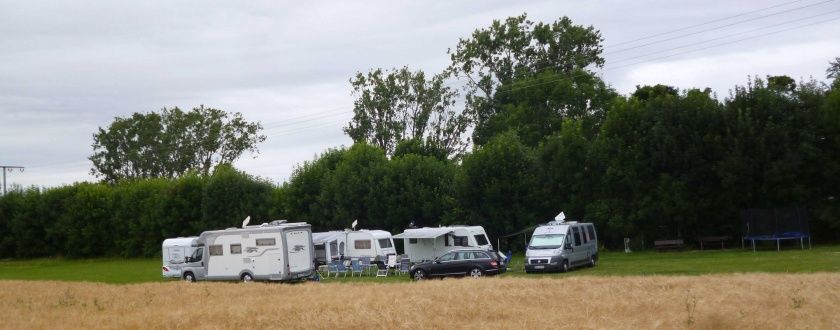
point(716, 28)
point(727, 36)
point(705, 23)
point(8, 168)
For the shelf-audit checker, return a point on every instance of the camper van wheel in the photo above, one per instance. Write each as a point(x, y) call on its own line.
point(565, 267)
point(189, 277)
point(591, 261)
point(475, 273)
point(247, 278)
point(419, 275)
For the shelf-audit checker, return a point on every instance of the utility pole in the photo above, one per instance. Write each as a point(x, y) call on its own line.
point(8, 168)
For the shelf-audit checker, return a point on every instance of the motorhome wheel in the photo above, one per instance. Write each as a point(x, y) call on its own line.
point(247, 278)
point(189, 277)
point(475, 273)
point(591, 261)
point(565, 266)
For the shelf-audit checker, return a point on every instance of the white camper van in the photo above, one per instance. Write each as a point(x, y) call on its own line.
point(376, 244)
point(559, 246)
point(427, 243)
point(175, 251)
point(276, 251)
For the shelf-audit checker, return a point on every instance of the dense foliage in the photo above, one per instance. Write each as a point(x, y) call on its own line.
point(548, 135)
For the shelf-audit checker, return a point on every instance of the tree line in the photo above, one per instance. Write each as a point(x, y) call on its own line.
point(532, 131)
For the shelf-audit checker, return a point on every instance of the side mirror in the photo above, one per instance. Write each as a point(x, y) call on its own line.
point(567, 246)
point(437, 260)
point(187, 259)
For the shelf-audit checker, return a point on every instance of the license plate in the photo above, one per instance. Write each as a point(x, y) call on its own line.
point(539, 267)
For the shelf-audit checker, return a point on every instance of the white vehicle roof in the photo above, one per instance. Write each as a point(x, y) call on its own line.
point(321, 238)
point(551, 229)
point(432, 232)
point(179, 241)
point(376, 233)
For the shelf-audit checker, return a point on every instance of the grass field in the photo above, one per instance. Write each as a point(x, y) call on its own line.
point(820, 259)
point(761, 300)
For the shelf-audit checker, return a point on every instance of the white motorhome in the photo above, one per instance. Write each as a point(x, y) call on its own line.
point(428, 243)
point(376, 244)
point(175, 251)
point(559, 246)
point(276, 251)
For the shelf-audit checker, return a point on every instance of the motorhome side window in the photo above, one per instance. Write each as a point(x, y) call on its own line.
point(266, 242)
point(236, 249)
point(576, 233)
point(216, 250)
point(385, 243)
point(446, 240)
point(197, 254)
point(412, 241)
point(591, 230)
point(361, 244)
point(461, 241)
point(481, 239)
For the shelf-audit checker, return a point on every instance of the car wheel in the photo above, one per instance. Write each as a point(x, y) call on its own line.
point(565, 267)
point(592, 261)
point(476, 273)
point(189, 277)
point(419, 275)
point(247, 278)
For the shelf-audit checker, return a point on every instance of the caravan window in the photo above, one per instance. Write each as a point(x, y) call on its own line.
point(216, 250)
point(446, 240)
point(334, 248)
point(266, 242)
point(385, 243)
point(236, 249)
point(481, 239)
point(461, 241)
point(412, 241)
point(362, 244)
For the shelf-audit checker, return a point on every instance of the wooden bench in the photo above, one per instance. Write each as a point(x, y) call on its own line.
point(713, 240)
point(669, 245)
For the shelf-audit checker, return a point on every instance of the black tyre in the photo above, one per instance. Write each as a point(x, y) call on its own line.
point(475, 273)
point(246, 278)
point(418, 275)
point(189, 277)
point(565, 267)
point(592, 261)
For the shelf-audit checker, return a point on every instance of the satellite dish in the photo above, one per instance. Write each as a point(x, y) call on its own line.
point(560, 217)
point(355, 222)
point(246, 221)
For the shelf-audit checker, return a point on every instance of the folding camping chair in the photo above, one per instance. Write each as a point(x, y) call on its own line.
point(365, 262)
point(392, 262)
point(405, 265)
point(355, 267)
point(339, 268)
point(381, 269)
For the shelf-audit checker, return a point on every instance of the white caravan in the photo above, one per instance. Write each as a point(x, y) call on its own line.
point(276, 251)
point(429, 243)
point(175, 251)
point(376, 244)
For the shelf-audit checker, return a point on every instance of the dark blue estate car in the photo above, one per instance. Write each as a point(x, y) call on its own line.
point(461, 262)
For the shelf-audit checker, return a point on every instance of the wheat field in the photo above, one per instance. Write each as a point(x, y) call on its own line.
point(703, 302)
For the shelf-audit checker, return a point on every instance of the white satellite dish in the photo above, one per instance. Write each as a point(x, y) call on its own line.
point(355, 222)
point(246, 221)
point(560, 217)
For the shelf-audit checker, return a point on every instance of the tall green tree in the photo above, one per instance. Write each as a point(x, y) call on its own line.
point(400, 104)
point(509, 56)
point(172, 142)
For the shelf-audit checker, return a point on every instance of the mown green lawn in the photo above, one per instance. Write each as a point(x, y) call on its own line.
point(790, 260)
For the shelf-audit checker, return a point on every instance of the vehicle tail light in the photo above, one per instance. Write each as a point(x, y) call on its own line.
point(494, 263)
point(165, 269)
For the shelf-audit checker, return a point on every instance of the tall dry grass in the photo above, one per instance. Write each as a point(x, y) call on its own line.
point(714, 301)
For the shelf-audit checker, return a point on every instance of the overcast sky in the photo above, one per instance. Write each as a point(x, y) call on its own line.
point(69, 67)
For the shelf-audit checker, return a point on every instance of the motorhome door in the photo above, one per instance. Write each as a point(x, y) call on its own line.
point(297, 244)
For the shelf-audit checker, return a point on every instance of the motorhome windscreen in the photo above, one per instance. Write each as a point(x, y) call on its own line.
point(550, 241)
